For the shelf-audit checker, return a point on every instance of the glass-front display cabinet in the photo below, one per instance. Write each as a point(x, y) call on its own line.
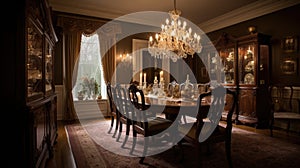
point(253, 78)
point(245, 63)
point(40, 97)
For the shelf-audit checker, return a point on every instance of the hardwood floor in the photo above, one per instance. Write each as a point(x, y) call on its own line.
point(63, 157)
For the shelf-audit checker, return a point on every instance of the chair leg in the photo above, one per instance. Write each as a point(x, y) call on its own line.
point(182, 151)
point(117, 122)
point(112, 121)
point(133, 140)
point(125, 140)
point(142, 160)
point(120, 131)
point(228, 153)
point(127, 134)
point(146, 144)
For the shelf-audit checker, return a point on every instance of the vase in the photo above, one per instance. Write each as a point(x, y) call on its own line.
point(80, 97)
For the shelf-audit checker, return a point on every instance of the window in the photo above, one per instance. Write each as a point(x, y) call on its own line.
point(90, 73)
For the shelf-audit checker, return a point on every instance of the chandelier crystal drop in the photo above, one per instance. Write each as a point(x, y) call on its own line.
point(174, 41)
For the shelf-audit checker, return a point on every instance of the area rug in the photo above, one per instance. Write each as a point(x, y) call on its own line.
point(94, 145)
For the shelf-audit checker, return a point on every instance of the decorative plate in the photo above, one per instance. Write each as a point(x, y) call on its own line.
point(249, 78)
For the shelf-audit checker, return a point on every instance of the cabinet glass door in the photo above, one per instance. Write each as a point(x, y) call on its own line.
point(227, 58)
point(247, 70)
point(48, 67)
point(34, 61)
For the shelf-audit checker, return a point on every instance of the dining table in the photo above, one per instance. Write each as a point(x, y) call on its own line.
point(177, 108)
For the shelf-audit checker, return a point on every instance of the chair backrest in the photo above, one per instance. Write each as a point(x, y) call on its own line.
point(117, 96)
point(110, 97)
point(124, 101)
point(220, 99)
point(137, 98)
point(281, 97)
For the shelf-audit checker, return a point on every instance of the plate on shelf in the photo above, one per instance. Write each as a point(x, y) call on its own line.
point(249, 78)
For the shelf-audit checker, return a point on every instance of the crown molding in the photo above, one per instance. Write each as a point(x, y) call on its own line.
point(245, 13)
point(250, 11)
point(87, 10)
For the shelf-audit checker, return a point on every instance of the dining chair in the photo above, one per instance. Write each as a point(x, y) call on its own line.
point(283, 106)
point(208, 129)
point(125, 111)
point(112, 105)
point(145, 122)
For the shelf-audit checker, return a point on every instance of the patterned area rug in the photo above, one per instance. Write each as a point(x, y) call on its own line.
point(93, 145)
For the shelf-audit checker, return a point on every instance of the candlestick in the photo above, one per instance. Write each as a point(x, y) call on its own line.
point(145, 78)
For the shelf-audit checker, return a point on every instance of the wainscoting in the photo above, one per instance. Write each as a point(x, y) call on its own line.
point(91, 109)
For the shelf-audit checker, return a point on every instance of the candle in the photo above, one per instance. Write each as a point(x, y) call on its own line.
point(145, 78)
point(155, 78)
point(141, 76)
point(161, 74)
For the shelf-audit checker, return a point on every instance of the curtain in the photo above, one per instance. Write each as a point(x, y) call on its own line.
point(73, 27)
point(107, 40)
point(72, 41)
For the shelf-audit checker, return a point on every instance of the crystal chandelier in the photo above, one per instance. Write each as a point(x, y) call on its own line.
point(174, 41)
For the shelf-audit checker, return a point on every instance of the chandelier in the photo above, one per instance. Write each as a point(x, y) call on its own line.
point(174, 41)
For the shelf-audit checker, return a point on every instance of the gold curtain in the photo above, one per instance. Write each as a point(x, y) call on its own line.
point(107, 40)
point(72, 41)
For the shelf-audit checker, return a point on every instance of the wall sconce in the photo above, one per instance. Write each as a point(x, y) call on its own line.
point(125, 57)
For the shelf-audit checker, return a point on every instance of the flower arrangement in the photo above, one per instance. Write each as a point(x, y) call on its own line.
point(89, 86)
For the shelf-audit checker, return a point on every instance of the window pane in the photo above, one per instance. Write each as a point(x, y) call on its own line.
point(90, 79)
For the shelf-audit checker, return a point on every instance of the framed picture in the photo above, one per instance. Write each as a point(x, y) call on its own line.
point(289, 44)
point(289, 67)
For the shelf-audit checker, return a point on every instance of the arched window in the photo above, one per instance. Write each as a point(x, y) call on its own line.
point(90, 79)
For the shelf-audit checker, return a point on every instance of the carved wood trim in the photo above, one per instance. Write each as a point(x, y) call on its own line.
point(73, 23)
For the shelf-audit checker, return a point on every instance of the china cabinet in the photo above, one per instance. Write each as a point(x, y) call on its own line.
point(35, 98)
point(245, 62)
point(253, 78)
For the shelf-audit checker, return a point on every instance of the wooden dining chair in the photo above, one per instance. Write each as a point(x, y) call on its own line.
point(125, 111)
point(145, 122)
point(112, 105)
point(207, 129)
point(283, 107)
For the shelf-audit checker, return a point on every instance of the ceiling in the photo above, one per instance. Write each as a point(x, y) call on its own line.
point(209, 15)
